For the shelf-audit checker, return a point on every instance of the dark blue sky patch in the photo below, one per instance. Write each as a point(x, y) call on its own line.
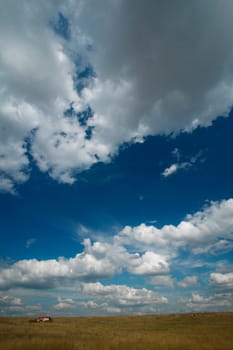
point(128, 191)
point(69, 112)
point(82, 78)
point(89, 132)
point(84, 116)
point(62, 27)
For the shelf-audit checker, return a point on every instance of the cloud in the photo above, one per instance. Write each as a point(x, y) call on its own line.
point(188, 281)
point(170, 170)
point(149, 264)
point(173, 168)
point(64, 304)
point(13, 305)
point(37, 87)
point(96, 297)
point(98, 260)
point(162, 281)
point(51, 273)
point(141, 250)
point(147, 67)
point(199, 232)
point(6, 300)
point(222, 280)
point(222, 246)
point(10, 304)
point(30, 242)
point(6, 185)
point(135, 80)
point(220, 301)
point(122, 295)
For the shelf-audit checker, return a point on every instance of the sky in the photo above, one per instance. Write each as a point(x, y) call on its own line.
point(116, 172)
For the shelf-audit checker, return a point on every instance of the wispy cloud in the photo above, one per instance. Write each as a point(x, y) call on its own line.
point(179, 165)
point(30, 242)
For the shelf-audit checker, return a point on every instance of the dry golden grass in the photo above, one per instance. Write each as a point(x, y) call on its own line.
point(207, 331)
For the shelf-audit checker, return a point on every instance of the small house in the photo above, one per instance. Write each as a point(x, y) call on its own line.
point(43, 318)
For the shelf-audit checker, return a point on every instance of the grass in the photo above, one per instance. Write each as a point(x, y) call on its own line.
point(207, 331)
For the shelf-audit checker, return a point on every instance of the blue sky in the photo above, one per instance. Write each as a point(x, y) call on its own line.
point(116, 189)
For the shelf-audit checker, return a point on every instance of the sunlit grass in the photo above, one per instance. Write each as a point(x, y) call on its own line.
point(184, 332)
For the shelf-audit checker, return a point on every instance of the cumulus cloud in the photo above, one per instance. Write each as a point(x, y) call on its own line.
point(163, 76)
point(10, 304)
point(64, 304)
point(151, 63)
point(199, 232)
point(37, 87)
point(98, 260)
point(162, 281)
point(96, 297)
point(222, 280)
point(6, 300)
point(149, 264)
point(122, 295)
point(141, 250)
point(50, 273)
point(188, 281)
point(220, 301)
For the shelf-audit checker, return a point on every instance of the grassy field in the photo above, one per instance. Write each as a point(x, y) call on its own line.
point(210, 331)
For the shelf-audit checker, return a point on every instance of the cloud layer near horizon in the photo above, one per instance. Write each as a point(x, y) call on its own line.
point(164, 69)
point(142, 250)
point(81, 283)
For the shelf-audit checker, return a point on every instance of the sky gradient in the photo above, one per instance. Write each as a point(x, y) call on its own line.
point(116, 172)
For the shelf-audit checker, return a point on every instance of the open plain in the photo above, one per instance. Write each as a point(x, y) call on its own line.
point(209, 331)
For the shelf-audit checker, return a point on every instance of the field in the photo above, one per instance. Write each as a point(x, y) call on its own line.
point(208, 331)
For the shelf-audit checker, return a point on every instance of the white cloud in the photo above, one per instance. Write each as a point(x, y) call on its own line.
point(149, 264)
point(98, 260)
point(37, 86)
point(222, 280)
point(141, 250)
point(113, 310)
point(13, 305)
point(219, 301)
point(170, 170)
point(162, 281)
point(143, 84)
point(173, 168)
point(6, 300)
point(6, 185)
point(220, 247)
point(51, 273)
point(92, 298)
point(122, 295)
point(188, 281)
point(64, 304)
point(10, 304)
point(91, 304)
point(199, 232)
